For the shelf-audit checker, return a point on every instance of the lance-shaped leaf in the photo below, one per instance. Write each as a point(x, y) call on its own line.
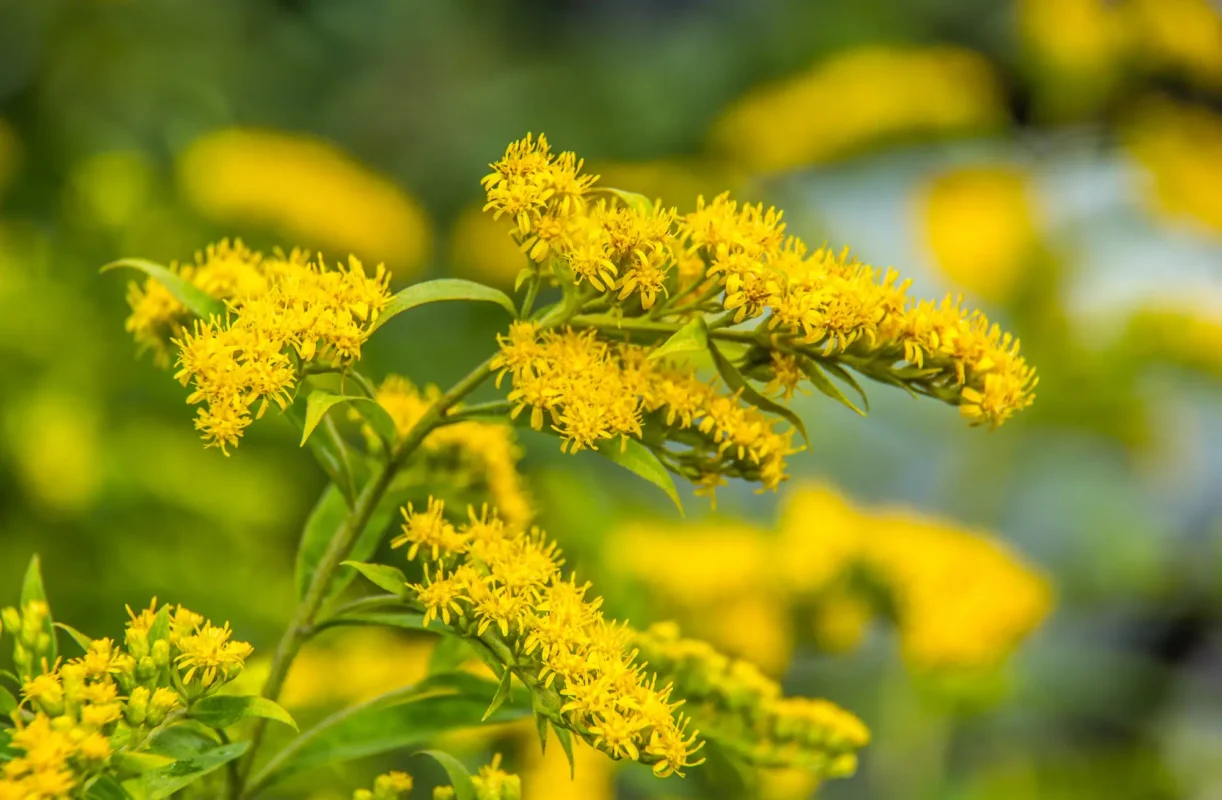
point(32, 589)
point(104, 787)
point(408, 620)
point(691, 339)
point(634, 200)
point(166, 781)
point(385, 577)
point(329, 515)
point(460, 777)
point(7, 702)
point(824, 384)
point(639, 459)
point(735, 380)
point(78, 637)
point(502, 694)
point(438, 290)
point(221, 711)
point(320, 402)
point(197, 301)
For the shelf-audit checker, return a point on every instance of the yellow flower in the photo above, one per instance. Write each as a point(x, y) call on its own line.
point(856, 98)
point(306, 189)
point(1180, 147)
point(209, 654)
point(503, 585)
point(980, 225)
point(282, 312)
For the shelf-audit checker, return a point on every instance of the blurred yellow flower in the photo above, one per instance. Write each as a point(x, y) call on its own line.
point(1177, 334)
point(1180, 147)
point(111, 189)
point(858, 98)
point(306, 189)
point(53, 439)
point(1182, 35)
point(1092, 44)
point(1078, 36)
point(961, 599)
point(546, 774)
point(979, 223)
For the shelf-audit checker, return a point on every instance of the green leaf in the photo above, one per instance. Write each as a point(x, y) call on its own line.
point(160, 629)
point(32, 589)
point(442, 289)
point(329, 451)
point(104, 787)
point(566, 742)
point(502, 694)
point(221, 711)
point(320, 402)
point(541, 724)
point(639, 459)
point(405, 718)
point(31, 586)
point(197, 301)
point(385, 577)
point(165, 781)
point(408, 620)
point(523, 275)
point(735, 380)
point(820, 381)
point(186, 739)
point(78, 637)
point(130, 764)
point(460, 778)
point(450, 653)
point(7, 753)
point(7, 702)
point(330, 514)
point(637, 202)
point(847, 377)
point(690, 339)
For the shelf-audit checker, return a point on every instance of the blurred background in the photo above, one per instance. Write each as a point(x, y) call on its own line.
point(1059, 162)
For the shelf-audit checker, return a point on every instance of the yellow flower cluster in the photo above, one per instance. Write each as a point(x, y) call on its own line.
point(823, 305)
point(306, 189)
point(858, 98)
point(283, 312)
point(745, 712)
point(961, 599)
point(77, 714)
point(818, 308)
point(501, 586)
point(390, 786)
point(592, 390)
point(482, 454)
point(491, 783)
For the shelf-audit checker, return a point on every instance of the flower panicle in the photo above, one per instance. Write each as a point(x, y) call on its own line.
point(814, 307)
point(501, 584)
point(282, 313)
point(79, 713)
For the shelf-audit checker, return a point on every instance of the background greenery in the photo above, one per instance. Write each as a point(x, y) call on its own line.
point(1064, 175)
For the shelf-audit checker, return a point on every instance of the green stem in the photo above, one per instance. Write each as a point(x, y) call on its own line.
point(337, 550)
point(660, 329)
point(532, 291)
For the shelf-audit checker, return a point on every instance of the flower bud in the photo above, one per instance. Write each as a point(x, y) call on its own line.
point(137, 641)
point(137, 706)
point(162, 702)
point(161, 654)
point(12, 620)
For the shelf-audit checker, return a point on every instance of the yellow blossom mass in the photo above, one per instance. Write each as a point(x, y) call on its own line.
point(283, 312)
point(500, 585)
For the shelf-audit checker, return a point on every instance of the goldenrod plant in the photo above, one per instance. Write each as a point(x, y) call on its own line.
point(668, 343)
